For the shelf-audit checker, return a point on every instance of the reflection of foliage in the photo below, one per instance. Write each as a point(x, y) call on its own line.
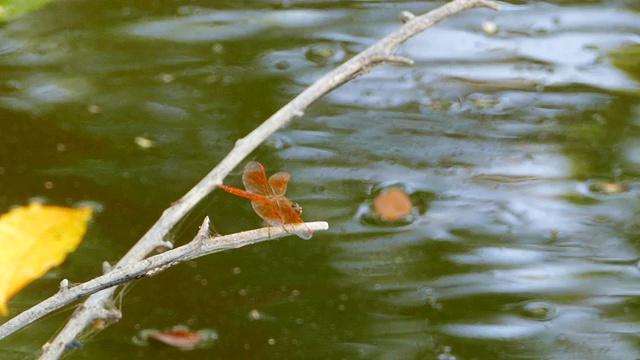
point(627, 60)
point(12, 8)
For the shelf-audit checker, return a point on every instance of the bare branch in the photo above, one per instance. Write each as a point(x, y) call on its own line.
point(201, 245)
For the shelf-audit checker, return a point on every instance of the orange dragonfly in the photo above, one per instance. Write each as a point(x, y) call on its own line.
point(267, 197)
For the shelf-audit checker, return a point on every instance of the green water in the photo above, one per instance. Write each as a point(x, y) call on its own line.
point(504, 142)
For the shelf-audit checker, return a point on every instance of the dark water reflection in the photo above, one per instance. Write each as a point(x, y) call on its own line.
point(513, 253)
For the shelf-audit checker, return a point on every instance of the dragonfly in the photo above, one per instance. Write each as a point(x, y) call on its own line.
point(267, 197)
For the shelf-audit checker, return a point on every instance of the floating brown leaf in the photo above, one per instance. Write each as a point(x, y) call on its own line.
point(180, 338)
point(392, 204)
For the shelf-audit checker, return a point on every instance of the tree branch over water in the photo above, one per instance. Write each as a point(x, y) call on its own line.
point(381, 52)
point(202, 244)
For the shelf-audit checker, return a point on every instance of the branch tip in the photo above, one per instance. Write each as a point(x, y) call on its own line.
point(108, 314)
point(64, 285)
point(113, 315)
point(399, 60)
point(205, 229)
point(406, 16)
point(106, 267)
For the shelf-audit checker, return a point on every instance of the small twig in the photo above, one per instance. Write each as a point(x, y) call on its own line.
point(396, 59)
point(201, 245)
point(405, 16)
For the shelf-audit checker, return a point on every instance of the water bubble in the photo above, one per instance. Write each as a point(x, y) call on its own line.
point(606, 187)
point(446, 354)
point(539, 310)
point(283, 65)
point(96, 206)
point(143, 142)
point(489, 27)
point(94, 109)
point(320, 53)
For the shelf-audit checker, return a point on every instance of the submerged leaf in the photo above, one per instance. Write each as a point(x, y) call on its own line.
point(34, 239)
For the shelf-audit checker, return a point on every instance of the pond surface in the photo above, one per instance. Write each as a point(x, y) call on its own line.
point(520, 149)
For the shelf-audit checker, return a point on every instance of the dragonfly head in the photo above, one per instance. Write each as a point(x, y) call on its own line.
point(297, 208)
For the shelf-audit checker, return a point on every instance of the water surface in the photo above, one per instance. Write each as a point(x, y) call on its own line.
point(512, 145)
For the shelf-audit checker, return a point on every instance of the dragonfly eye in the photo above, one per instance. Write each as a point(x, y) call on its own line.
point(297, 208)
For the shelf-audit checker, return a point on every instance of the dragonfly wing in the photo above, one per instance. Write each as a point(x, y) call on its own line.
point(278, 182)
point(268, 211)
point(254, 178)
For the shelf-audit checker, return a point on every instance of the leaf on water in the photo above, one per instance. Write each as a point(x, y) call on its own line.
point(34, 239)
point(180, 338)
point(393, 204)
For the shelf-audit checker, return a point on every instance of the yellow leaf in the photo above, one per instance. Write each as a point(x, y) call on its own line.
point(34, 239)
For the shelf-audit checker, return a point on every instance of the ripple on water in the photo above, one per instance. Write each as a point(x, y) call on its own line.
point(215, 25)
point(510, 328)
